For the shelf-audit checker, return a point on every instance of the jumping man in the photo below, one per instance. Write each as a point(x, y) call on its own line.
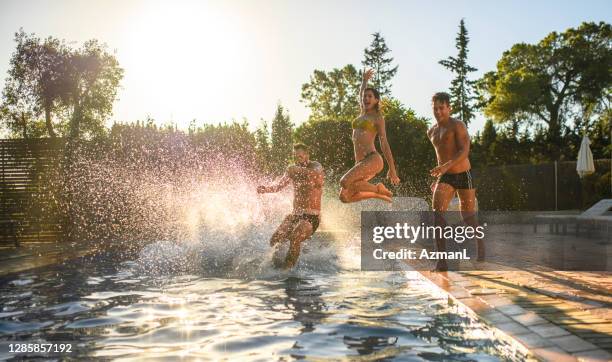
point(451, 141)
point(307, 177)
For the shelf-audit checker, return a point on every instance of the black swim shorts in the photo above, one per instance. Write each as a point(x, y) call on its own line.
point(460, 181)
point(311, 218)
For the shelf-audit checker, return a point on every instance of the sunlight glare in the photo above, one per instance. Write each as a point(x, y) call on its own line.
point(189, 56)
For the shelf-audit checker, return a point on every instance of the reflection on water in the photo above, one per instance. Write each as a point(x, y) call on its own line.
point(111, 310)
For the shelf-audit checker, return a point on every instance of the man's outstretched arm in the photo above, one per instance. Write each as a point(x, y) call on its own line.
point(276, 187)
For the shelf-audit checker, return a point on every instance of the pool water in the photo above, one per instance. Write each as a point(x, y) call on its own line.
point(109, 308)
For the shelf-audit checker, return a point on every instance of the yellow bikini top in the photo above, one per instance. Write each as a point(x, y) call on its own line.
point(363, 122)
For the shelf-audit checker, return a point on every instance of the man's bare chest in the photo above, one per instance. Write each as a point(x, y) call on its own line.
point(442, 136)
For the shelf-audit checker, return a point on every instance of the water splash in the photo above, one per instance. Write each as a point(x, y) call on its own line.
point(240, 247)
point(181, 209)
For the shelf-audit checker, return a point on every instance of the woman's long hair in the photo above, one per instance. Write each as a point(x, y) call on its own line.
point(376, 95)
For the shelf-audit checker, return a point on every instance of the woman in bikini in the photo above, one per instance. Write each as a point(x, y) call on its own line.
point(368, 162)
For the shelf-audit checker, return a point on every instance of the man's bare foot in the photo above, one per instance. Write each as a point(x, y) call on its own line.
point(441, 266)
point(383, 190)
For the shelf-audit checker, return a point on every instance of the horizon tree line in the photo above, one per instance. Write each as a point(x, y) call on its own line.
point(541, 97)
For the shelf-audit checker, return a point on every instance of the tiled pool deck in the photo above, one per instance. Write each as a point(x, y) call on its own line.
point(558, 316)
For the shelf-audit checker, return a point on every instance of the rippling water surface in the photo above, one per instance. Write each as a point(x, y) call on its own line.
point(121, 310)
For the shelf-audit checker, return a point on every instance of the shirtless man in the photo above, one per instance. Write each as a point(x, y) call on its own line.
point(451, 141)
point(307, 177)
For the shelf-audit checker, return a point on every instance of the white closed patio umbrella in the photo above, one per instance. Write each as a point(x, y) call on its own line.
point(585, 165)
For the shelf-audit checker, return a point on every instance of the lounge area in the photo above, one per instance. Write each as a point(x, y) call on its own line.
point(596, 219)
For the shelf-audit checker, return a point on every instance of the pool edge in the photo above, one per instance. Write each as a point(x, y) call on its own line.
point(516, 323)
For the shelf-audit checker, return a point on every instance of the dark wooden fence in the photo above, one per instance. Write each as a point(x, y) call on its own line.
point(29, 201)
point(532, 187)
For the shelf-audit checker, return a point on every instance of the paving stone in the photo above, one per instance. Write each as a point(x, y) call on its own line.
point(467, 284)
point(456, 276)
point(458, 292)
point(539, 303)
point(605, 345)
point(547, 310)
point(563, 319)
point(475, 304)
point(572, 343)
point(512, 328)
point(554, 354)
point(483, 291)
point(596, 355)
point(529, 319)
point(601, 337)
point(532, 340)
point(511, 309)
point(496, 301)
point(495, 317)
point(549, 330)
point(570, 309)
point(585, 328)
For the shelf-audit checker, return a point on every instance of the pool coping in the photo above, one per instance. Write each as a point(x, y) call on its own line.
point(544, 340)
point(35, 255)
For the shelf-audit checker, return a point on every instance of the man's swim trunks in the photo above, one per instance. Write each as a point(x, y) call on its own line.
point(311, 218)
point(460, 181)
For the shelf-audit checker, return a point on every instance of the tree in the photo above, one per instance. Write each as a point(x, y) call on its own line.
point(545, 81)
point(262, 146)
point(412, 151)
point(193, 128)
point(16, 114)
point(489, 134)
point(376, 58)
point(462, 89)
point(35, 83)
point(94, 76)
point(281, 142)
point(330, 144)
point(332, 95)
point(73, 88)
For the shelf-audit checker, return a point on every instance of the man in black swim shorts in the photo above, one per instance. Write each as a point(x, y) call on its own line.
point(307, 177)
point(451, 141)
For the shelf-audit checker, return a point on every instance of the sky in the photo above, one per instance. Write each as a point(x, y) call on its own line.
point(222, 60)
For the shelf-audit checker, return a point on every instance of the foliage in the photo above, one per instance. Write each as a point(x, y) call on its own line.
point(262, 147)
point(333, 94)
point(548, 81)
point(93, 76)
point(35, 85)
point(281, 143)
point(73, 89)
point(462, 89)
point(375, 57)
point(330, 144)
point(412, 151)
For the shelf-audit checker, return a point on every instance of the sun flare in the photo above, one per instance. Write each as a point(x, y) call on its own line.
point(196, 50)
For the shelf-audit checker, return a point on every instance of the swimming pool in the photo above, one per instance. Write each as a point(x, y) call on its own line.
point(110, 308)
